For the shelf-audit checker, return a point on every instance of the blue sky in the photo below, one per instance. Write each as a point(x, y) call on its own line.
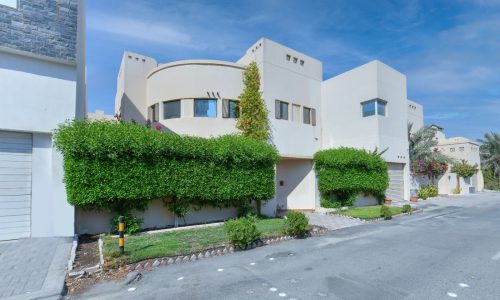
point(449, 50)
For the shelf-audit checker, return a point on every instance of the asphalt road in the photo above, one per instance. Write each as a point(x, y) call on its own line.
point(451, 250)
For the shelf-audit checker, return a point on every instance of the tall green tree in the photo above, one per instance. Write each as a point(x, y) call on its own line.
point(253, 118)
point(490, 152)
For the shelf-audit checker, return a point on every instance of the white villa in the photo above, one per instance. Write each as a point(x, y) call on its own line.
point(366, 107)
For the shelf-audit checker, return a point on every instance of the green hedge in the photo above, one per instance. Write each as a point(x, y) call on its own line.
point(124, 165)
point(346, 172)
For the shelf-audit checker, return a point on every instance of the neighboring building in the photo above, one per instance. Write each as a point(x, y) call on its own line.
point(365, 108)
point(42, 84)
point(459, 148)
point(415, 116)
point(99, 115)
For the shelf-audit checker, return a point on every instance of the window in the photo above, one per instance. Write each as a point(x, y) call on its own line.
point(9, 3)
point(374, 107)
point(281, 110)
point(205, 108)
point(452, 149)
point(295, 60)
point(172, 109)
point(306, 115)
point(301, 62)
point(153, 113)
point(230, 109)
point(288, 57)
point(296, 113)
point(313, 117)
point(461, 149)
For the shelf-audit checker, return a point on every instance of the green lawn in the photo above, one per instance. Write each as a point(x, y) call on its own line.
point(179, 242)
point(367, 212)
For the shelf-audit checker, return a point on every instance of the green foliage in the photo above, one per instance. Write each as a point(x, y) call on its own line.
point(247, 210)
point(491, 182)
point(132, 223)
point(253, 120)
point(463, 169)
point(406, 209)
point(428, 191)
point(179, 207)
point(456, 191)
point(122, 166)
point(241, 232)
point(327, 203)
point(347, 172)
point(423, 145)
point(385, 212)
point(296, 223)
point(430, 168)
point(490, 152)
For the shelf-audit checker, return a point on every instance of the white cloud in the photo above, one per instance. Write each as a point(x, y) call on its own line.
point(140, 30)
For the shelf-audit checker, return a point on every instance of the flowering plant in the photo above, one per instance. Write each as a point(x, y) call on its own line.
point(430, 168)
point(158, 127)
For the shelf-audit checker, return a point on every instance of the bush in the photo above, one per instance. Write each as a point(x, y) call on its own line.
point(132, 223)
point(247, 210)
point(463, 169)
point(428, 191)
point(385, 212)
point(296, 223)
point(347, 172)
point(491, 182)
point(124, 165)
point(241, 232)
point(327, 203)
point(406, 209)
point(456, 191)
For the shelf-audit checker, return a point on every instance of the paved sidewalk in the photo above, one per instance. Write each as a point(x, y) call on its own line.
point(332, 222)
point(33, 268)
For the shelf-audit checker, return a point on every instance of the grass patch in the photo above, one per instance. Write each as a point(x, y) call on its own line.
point(367, 212)
point(180, 242)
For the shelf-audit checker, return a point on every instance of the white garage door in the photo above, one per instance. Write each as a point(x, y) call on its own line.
point(396, 182)
point(15, 185)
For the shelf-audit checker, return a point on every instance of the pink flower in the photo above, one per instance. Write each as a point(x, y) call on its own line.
point(158, 127)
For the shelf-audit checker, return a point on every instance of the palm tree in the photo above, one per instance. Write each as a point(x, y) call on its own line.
point(423, 145)
point(490, 152)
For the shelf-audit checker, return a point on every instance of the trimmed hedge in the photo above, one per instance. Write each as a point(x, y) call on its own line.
point(124, 165)
point(346, 172)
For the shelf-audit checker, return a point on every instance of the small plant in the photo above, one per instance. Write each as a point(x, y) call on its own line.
point(406, 209)
point(296, 223)
point(456, 191)
point(247, 211)
point(327, 203)
point(385, 212)
point(241, 232)
point(428, 191)
point(132, 223)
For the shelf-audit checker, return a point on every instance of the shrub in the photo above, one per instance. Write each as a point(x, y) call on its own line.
point(406, 209)
point(463, 169)
point(327, 203)
point(431, 168)
point(132, 223)
point(247, 210)
point(385, 212)
point(456, 191)
point(347, 172)
point(241, 232)
point(296, 223)
point(123, 165)
point(428, 191)
point(491, 182)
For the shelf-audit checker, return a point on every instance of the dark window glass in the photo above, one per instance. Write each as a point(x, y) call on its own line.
point(172, 109)
point(205, 108)
point(306, 117)
point(381, 107)
point(283, 110)
point(368, 108)
point(230, 109)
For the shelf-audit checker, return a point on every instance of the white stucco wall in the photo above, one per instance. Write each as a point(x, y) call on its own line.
point(344, 125)
point(37, 95)
point(295, 181)
point(415, 115)
point(156, 216)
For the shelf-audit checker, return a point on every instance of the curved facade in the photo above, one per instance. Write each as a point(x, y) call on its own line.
point(186, 87)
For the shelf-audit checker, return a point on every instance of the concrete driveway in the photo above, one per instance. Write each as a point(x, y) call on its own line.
point(33, 268)
point(452, 250)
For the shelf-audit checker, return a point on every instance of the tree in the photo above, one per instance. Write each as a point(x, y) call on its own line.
point(490, 152)
point(425, 158)
point(464, 170)
point(253, 118)
point(423, 145)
